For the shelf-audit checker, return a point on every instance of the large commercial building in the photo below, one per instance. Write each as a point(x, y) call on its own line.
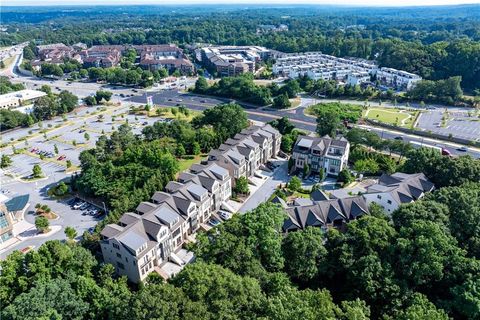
point(167, 56)
point(352, 71)
point(151, 238)
point(327, 154)
point(11, 212)
point(232, 60)
point(20, 100)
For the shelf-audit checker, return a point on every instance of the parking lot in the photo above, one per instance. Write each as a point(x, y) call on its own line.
point(68, 136)
point(462, 123)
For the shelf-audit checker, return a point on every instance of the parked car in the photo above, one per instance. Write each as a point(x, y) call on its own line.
point(398, 138)
point(213, 222)
point(203, 101)
point(78, 205)
point(224, 215)
point(463, 149)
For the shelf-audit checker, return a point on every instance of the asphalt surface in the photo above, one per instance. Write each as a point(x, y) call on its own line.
point(297, 116)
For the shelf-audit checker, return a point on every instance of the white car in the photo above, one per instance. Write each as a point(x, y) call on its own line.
point(224, 215)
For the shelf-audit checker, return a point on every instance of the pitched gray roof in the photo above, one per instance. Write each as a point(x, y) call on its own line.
point(403, 187)
point(324, 213)
point(132, 240)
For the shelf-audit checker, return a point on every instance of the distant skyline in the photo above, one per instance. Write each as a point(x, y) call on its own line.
point(380, 3)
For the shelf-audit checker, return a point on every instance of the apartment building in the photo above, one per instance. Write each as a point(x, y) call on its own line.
point(353, 71)
point(398, 79)
point(393, 190)
point(325, 153)
point(230, 61)
point(167, 56)
point(102, 56)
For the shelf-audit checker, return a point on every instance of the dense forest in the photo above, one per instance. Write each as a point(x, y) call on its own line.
point(435, 43)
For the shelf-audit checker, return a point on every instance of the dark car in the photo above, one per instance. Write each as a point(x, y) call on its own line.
point(398, 138)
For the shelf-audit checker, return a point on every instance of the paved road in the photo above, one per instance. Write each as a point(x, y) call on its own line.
point(297, 116)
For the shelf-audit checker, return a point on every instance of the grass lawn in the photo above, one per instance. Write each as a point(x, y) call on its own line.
point(298, 194)
point(391, 116)
point(167, 113)
point(187, 161)
point(295, 102)
point(8, 62)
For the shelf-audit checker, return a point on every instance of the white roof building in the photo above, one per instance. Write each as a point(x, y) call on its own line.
point(19, 98)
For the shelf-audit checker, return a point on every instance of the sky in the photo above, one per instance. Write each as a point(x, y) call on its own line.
point(179, 2)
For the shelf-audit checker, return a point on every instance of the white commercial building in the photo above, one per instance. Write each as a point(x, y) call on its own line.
point(20, 99)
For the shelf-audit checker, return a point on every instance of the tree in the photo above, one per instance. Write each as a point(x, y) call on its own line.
point(196, 148)
point(304, 253)
point(201, 85)
point(53, 299)
point(103, 95)
point(295, 183)
point(226, 119)
point(5, 161)
point(86, 136)
point(68, 101)
point(37, 171)
point(68, 163)
point(180, 151)
point(366, 166)
point(290, 89)
point(70, 232)
point(61, 189)
point(283, 125)
point(90, 100)
point(241, 186)
point(281, 102)
point(420, 308)
point(345, 176)
point(42, 224)
point(327, 123)
point(163, 301)
point(306, 170)
point(234, 294)
point(55, 149)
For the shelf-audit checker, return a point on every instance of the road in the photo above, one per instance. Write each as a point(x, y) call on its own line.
point(296, 116)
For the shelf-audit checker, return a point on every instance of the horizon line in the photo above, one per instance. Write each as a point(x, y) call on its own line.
point(245, 3)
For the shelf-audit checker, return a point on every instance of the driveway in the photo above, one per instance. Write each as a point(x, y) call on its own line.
point(280, 175)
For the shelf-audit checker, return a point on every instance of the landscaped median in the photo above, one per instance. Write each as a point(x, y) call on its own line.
point(394, 116)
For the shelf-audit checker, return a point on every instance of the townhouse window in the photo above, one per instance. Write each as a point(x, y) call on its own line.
point(119, 255)
point(379, 196)
point(116, 246)
point(389, 201)
point(120, 265)
point(3, 220)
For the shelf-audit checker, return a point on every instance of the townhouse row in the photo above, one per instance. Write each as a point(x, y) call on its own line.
point(352, 71)
point(151, 238)
point(339, 208)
